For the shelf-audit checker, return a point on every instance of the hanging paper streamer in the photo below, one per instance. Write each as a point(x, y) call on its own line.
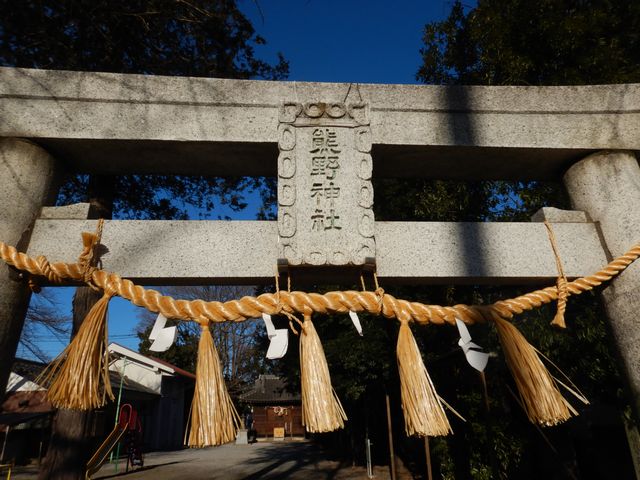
point(214, 419)
point(473, 353)
point(356, 321)
point(423, 411)
point(278, 339)
point(475, 357)
point(162, 337)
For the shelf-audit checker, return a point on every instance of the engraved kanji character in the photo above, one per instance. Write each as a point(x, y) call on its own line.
point(318, 165)
point(332, 138)
point(332, 220)
point(324, 140)
point(331, 192)
point(318, 220)
point(317, 192)
point(318, 140)
point(333, 166)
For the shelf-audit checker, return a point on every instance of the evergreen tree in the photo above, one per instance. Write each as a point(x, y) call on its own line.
point(547, 42)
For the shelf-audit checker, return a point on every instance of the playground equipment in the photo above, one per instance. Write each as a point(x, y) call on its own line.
point(8, 467)
point(128, 429)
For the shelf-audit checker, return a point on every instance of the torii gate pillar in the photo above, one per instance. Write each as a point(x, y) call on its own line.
point(606, 185)
point(28, 182)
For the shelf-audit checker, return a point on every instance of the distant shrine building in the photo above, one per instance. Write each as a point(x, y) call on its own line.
point(273, 406)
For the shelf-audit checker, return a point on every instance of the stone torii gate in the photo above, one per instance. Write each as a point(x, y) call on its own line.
point(323, 142)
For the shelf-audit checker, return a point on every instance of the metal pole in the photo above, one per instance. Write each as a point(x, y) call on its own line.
point(40, 448)
point(391, 453)
point(368, 453)
point(124, 367)
point(428, 457)
point(4, 444)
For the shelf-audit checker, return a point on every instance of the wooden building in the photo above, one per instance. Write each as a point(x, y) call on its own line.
point(25, 414)
point(159, 391)
point(274, 406)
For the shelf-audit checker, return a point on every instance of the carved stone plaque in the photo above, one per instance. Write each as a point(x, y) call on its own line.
point(325, 196)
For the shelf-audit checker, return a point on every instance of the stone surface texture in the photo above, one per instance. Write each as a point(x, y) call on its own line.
point(104, 122)
point(199, 252)
point(27, 182)
point(469, 252)
point(606, 185)
point(186, 252)
point(325, 196)
point(76, 211)
point(557, 215)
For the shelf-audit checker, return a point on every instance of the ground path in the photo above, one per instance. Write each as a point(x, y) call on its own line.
point(270, 461)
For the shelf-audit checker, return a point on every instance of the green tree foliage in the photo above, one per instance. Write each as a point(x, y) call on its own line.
point(165, 197)
point(179, 37)
point(157, 37)
point(547, 42)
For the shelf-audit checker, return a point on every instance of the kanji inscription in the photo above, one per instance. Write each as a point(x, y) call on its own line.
point(325, 197)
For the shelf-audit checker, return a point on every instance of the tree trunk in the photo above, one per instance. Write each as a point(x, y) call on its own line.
point(71, 447)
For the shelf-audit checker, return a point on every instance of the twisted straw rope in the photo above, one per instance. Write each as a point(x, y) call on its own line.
point(561, 282)
point(302, 302)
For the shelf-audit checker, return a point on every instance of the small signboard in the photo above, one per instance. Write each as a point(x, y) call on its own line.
point(278, 433)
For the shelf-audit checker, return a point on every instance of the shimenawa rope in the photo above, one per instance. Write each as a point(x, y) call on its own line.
point(298, 302)
point(542, 400)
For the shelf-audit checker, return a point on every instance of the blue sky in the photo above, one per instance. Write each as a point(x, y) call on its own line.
point(373, 41)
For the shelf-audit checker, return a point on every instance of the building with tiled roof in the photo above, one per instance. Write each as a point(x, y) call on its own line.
point(273, 405)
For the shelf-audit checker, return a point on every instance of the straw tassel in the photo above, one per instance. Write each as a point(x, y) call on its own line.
point(423, 411)
point(539, 394)
point(214, 419)
point(321, 407)
point(79, 376)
